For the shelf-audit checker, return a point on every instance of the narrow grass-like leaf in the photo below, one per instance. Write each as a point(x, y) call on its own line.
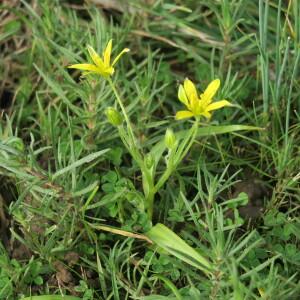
point(170, 285)
point(58, 90)
point(79, 162)
point(260, 267)
point(166, 239)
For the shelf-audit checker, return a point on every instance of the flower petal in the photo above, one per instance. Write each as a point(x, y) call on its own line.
point(119, 56)
point(206, 114)
point(85, 67)
point(183, 114)
point(210, 91)
point(107, 53)
point(218, 104)
point(190, 89)
point(95, 57)
point(194, 105)
point(109, 71)
point(182, 96)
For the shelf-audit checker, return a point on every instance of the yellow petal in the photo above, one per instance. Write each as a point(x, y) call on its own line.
point(119, 56)
point(194, 105)
point(109, 71)
point(107, 53)
point(85, 67)
point(190, 89)
point(210, 91)
point(183, 114)
point(206, 114)
point(182, 96)
point(95, 57)
point(218, 104)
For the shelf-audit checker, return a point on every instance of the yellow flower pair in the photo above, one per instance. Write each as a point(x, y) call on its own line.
point(196, 105)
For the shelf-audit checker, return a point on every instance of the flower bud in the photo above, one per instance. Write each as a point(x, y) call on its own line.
point(170, 139)
point(149, 160)
point(113, 116)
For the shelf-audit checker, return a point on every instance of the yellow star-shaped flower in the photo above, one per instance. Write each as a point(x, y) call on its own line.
point(199, 106)
point(101, 66)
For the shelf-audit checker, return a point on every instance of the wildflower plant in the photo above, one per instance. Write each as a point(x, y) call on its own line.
point(197, 106)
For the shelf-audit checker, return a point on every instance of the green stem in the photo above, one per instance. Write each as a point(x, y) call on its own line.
point(186, 149)
point(147, 176)
point(174, 159)
point(167, 173)
point(123, 110)
point(132, 149)
point(181, 153)
point(149, 203)
point(149, 192)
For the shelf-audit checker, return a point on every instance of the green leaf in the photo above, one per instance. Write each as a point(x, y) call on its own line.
point(56, 87)
point(111, 177)
point(38, 280)
point(166, 239)
point(10, 28)
point(170, 285)
point(241, 200)
point(79, 162)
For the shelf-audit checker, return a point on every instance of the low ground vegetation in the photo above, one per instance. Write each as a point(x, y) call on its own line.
point(169, 173)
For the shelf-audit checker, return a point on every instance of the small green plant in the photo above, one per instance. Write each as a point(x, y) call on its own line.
point(6, 282)
point(87, 293)
point(17, 276)
point(177, 147)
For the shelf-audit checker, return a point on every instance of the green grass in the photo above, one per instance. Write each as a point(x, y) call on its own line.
point(75, 207)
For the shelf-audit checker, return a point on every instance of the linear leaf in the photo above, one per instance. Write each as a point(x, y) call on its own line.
point(172, 243)
point(79, 162)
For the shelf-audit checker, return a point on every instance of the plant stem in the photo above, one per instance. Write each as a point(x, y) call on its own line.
point(123, 110)
point(185, 150)
point(174, 161)
point(147, 176)
point(150, 200)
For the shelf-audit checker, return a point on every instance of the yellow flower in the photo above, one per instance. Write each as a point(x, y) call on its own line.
point(101, 66)
point(198, 106)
